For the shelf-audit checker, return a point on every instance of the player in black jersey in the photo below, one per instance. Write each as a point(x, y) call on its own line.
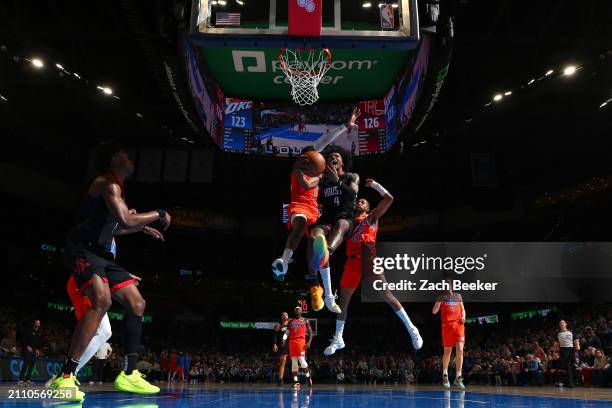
point(281, 345)
point(338, 195)
point(90, 255)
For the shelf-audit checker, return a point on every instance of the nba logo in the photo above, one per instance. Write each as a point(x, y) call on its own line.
point(305, 18)
point(307, 4)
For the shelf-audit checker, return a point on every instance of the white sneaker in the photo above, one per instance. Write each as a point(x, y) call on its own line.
point(330, 303)
point(445, 381)
point(417, 340)
point(459, 382)
point(279, 269)
point(337, 343)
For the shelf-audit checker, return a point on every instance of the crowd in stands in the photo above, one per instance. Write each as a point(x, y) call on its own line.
point(522, 352)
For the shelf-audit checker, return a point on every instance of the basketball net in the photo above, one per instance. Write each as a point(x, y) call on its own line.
point(304, 69)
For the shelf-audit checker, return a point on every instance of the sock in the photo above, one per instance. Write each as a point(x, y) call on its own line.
point(458, 373)
point(132, 331)
point(132, 359)
point(308, 374)
point(339, 328)
point(445, 371)
point(287, 255)
point(295, 378)
point(326, 278)
point(401, 313)
point(69, 367)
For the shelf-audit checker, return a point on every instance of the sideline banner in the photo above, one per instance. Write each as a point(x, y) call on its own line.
point(10, 367)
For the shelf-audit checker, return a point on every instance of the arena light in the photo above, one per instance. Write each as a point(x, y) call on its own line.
point(37, 63)
point(395, 5)
point(77, 75)
point(569, 70)
point(240, 2)
point(3, 99)
point(105, 89)
point(549, 72)
point(222, 2)
point(508, 93)
point(531, 81)
point(498, 97)
point(59, 66)
point(366, 5)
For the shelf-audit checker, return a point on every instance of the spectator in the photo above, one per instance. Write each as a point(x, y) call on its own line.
point(31, 350)
point(102, 356)
point(601, 364)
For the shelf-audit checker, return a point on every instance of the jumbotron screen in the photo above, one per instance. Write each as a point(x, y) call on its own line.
point(284, 129)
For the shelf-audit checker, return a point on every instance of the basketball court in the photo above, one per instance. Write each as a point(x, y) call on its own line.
point(328, 396)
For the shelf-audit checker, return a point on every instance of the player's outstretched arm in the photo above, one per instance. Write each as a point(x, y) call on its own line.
point(305, 183)
point(383, 205)
point(111, 193)
point(463, 315)
point(436, 307)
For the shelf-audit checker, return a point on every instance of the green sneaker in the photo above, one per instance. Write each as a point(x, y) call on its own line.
point(135, 383)
point(70, 387)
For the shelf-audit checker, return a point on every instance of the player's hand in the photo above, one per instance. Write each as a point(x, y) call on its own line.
point(165, 222)
point(307, 346)
point(275, 348)
point(154, 233)
point(332, 174)
point(352, 122)
point(369, 182)
point(463, 320)
point(136, 278)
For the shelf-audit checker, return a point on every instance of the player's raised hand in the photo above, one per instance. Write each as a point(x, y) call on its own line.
point(352, 122)
point(369, 182)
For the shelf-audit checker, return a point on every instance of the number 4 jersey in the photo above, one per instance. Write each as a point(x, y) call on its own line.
point(338, 200)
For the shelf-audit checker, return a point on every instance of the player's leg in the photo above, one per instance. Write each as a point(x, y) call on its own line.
point(317, 233)
point(98, 293)
point(281, 368)
point(341, 228)
point(298, 229)
point(459, 364)
point(103, 333)
point(387, 296)
point(126, 293)
point(304, 365)
point(294, 371)
point(445, 362)
point(337, 341)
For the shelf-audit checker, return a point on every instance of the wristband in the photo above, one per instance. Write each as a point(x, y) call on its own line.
point(162, 214)
point(381, 190)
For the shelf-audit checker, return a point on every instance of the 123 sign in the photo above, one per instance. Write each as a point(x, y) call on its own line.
point(238, 114)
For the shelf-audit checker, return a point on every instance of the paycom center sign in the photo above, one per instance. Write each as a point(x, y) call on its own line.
point(256, 73)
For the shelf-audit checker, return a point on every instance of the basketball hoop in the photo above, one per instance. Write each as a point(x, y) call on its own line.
point(304, 68)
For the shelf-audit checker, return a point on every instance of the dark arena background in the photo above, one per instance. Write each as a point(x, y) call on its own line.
point(485, 121)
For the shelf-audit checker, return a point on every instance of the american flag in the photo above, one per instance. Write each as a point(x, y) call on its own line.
point(227, 18)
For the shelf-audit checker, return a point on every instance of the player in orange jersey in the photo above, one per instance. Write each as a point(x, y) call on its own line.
point(363, 242)
point(298, 329)
point(303, 211)
point(82, 304)
point(450, 304)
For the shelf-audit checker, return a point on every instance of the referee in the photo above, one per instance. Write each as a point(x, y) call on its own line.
point(31, 350)
point(565, 339)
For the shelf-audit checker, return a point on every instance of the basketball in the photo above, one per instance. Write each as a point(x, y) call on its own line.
point(316, 163)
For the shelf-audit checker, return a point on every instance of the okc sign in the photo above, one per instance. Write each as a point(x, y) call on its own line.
point(255, 62)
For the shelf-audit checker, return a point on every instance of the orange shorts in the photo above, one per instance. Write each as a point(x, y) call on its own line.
point(453, 333)
point(297, 349)
point(351, 276)
point(306, 211)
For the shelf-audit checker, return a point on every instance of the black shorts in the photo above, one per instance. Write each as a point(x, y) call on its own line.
point(283, 350)
point(84, 261)
point(327, 223)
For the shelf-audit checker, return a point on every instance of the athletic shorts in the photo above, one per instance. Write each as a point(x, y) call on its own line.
point(311, 214)
point(297, 349)
point(84, 263)
point(327, 223)
point(452, 333)
point(283, 350)
point(351, 276)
